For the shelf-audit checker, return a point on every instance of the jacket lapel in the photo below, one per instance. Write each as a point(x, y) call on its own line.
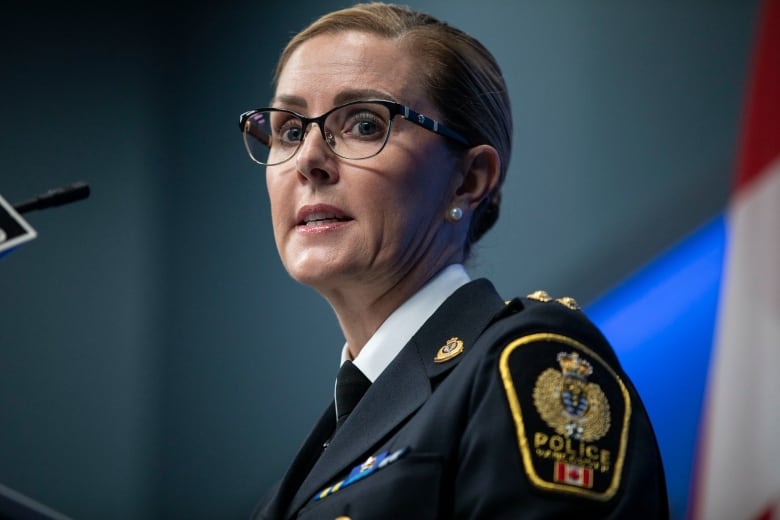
point(404, 386)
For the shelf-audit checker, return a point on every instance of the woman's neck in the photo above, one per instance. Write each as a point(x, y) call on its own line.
point(362, 307)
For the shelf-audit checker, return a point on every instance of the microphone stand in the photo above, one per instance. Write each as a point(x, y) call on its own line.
point(55, 197)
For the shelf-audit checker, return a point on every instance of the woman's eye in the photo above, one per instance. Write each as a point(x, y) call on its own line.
point(366, 125)
point(290, 132)
point(367, 128)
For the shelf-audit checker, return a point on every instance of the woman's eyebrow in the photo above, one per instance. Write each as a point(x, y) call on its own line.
point(288, 100)
point(342, 97)
point(357, 94)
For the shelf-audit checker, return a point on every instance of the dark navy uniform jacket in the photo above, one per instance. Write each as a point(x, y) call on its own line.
point(493, 410)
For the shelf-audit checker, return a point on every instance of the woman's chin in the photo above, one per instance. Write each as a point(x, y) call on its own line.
point(321, 276)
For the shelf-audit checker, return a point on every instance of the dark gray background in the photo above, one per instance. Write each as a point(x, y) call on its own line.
point(155, 359)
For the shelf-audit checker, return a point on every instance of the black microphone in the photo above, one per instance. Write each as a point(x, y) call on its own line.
point(55, 197)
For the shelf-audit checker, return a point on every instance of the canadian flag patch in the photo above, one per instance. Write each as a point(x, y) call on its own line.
point(573, 475)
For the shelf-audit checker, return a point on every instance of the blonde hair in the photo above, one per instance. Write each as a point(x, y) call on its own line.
point(458, 73)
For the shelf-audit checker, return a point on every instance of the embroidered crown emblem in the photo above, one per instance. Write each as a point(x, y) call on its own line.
point(572, 365)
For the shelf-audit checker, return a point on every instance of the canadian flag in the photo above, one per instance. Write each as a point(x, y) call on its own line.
point(738, 458)
point(574, 475)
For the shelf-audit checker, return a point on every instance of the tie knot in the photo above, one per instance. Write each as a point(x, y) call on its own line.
point(351, 384)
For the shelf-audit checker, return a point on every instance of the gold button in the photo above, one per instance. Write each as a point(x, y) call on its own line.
point(540, 296)
point(569, 302)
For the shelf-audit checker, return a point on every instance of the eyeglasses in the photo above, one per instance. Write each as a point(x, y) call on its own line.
point(355, 130)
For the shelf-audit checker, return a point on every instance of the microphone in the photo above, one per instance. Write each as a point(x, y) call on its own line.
point(55, 197)
point(14, 230)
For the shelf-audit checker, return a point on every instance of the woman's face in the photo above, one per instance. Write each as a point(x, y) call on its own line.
point(374, 221)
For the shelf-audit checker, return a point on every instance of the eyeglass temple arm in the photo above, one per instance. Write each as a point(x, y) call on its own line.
point(431, 124)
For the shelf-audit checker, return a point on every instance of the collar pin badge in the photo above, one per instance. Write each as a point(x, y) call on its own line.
point(451, 349)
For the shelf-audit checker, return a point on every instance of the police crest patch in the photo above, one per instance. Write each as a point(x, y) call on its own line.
point(568, 403)
point(572, 419)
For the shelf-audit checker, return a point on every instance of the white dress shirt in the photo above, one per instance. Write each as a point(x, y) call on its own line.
point(405, 321)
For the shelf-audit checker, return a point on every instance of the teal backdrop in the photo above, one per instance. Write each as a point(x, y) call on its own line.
point(156, 361)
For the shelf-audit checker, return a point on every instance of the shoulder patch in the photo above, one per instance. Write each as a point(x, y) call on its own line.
point(571, 415)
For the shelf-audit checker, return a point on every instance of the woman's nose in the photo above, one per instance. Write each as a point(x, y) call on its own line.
point(314, 160)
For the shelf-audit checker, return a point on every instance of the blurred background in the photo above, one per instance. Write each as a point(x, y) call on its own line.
point(156, 361)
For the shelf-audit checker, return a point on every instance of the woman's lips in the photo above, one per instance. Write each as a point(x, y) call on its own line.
point(321, 217)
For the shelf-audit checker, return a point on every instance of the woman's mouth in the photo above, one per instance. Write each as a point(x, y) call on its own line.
point(321, 219)
point(320, 216)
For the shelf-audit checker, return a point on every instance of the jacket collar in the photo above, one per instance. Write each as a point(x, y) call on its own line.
point(401, 389)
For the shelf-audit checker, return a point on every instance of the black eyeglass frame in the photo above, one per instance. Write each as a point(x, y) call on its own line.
point(396, 109)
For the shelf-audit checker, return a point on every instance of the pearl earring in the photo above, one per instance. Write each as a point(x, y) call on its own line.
point(455, 213)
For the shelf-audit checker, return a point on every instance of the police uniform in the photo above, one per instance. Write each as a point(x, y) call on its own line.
point(492, 410)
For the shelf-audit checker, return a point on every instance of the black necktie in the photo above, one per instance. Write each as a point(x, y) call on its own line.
point(351, 384)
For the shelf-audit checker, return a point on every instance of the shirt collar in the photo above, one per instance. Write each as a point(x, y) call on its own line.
point(405, 321)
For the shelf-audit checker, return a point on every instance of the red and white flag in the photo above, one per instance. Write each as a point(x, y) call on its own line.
point(573, 474)
point(738, 470)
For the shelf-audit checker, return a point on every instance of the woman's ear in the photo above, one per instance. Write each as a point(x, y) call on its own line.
point(481, 169)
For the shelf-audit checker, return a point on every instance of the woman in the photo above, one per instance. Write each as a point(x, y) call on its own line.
point(385, 148)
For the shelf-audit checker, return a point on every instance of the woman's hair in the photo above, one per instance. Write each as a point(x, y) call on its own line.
point(458, 73)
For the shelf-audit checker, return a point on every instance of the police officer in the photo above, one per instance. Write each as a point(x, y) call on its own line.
point(385, 148)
